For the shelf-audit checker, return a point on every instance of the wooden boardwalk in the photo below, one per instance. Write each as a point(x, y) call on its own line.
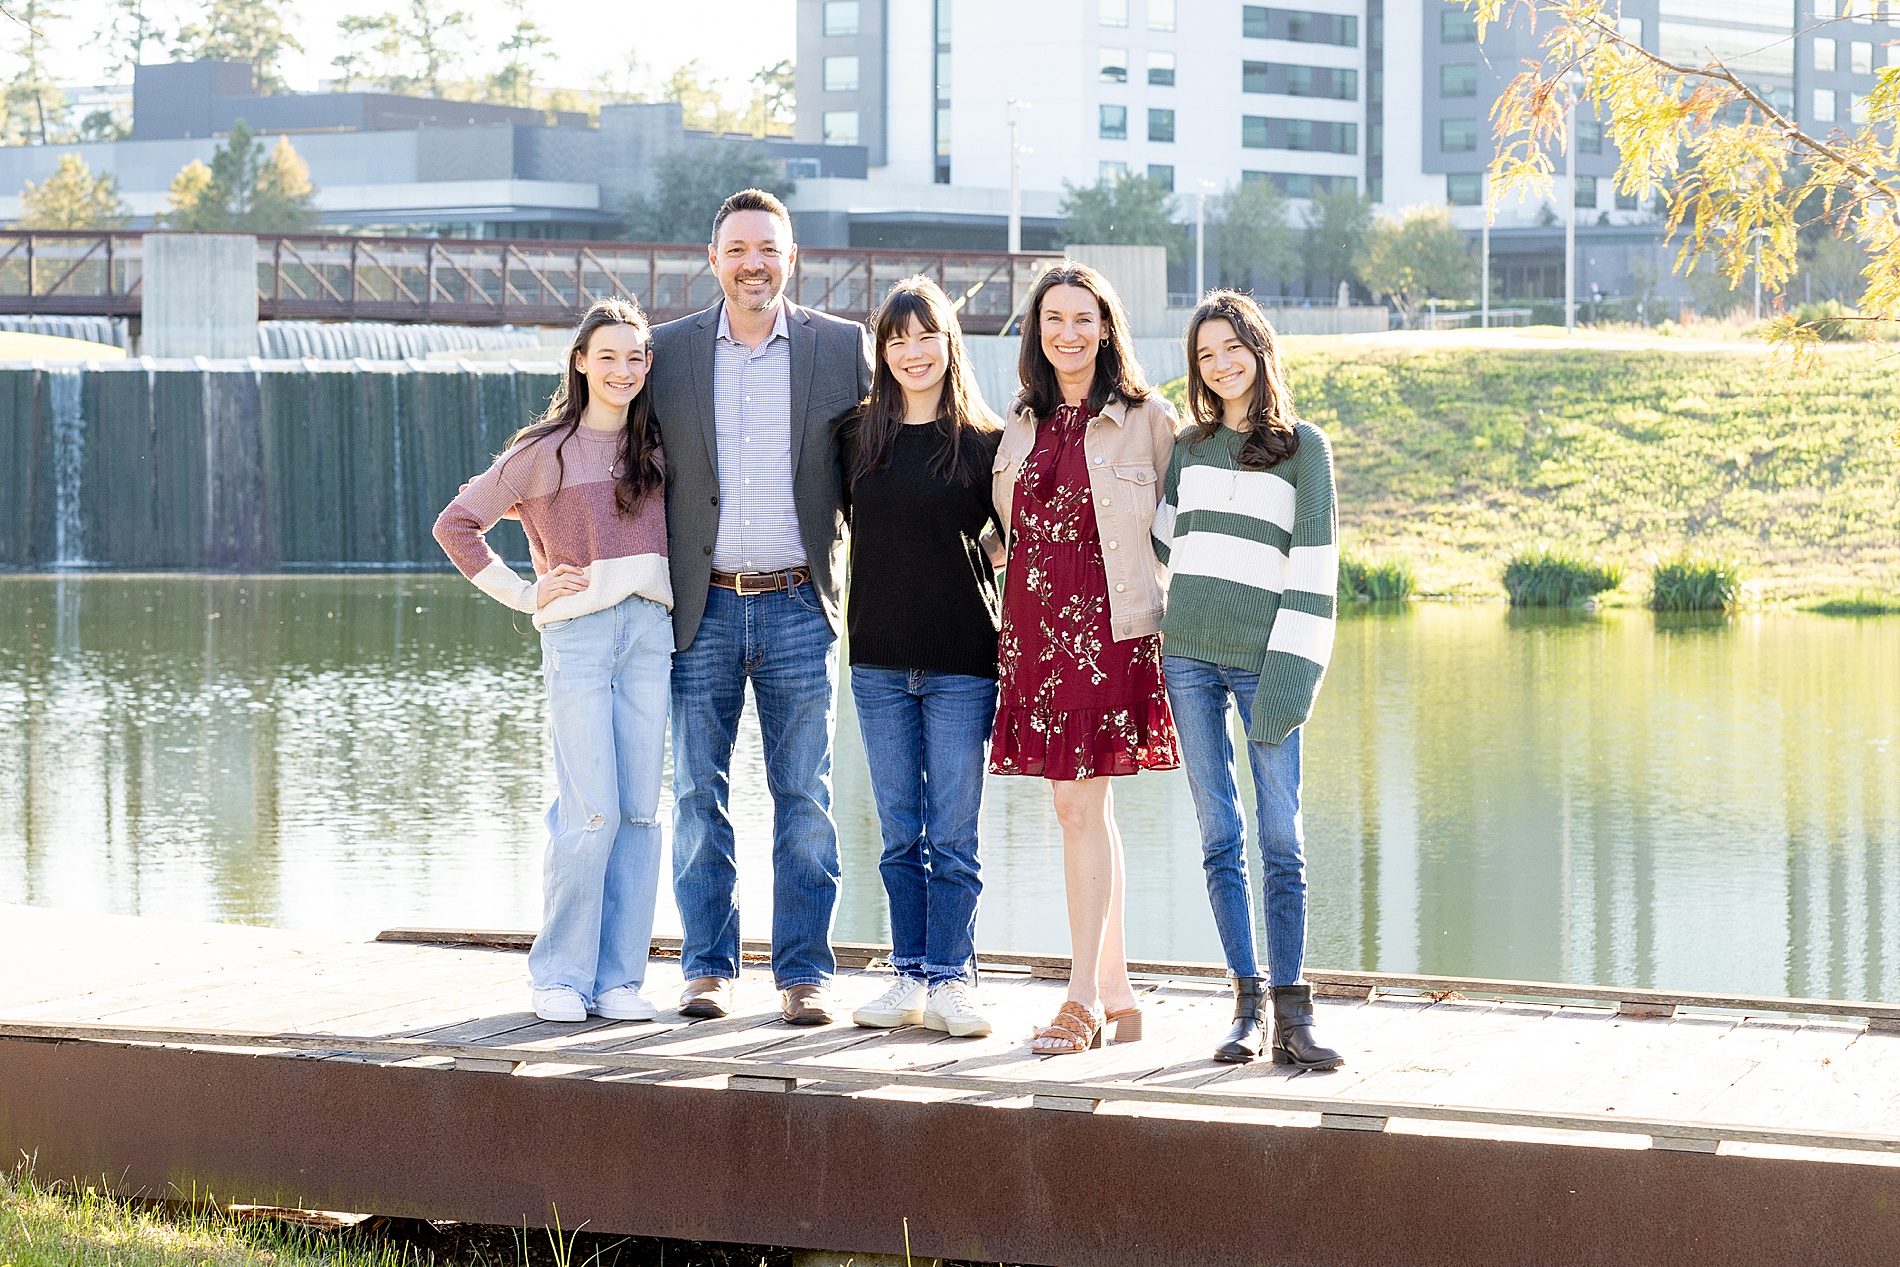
point(1579, 1087)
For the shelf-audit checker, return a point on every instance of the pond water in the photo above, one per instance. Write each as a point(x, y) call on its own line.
point(1615, 797)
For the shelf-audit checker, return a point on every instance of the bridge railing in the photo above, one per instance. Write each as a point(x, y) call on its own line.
point(492, 282)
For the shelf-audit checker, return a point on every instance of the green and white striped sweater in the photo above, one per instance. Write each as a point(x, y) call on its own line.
point(1254, 558)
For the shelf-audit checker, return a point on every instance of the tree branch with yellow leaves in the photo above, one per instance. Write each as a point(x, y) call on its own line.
point(1739, 177)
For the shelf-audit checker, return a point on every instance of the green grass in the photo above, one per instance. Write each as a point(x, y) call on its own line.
point(1363, 579)
point(1696, 583)
point(1860, 603)
point(1557, 578)
point(1452, 456)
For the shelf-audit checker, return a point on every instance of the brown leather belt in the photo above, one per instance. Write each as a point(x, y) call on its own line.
point(761, 582)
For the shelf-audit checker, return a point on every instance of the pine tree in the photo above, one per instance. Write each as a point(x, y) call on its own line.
point(283, 200)
point(241, 31)
point(513, 84)
point(35, 107)
point(243, 190)
point(126, 36)
point(194, 205)
point(73, 198)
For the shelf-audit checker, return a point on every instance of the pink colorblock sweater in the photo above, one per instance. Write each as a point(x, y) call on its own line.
point(570, 517)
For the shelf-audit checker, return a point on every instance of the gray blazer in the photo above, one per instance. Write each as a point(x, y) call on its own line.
point(831, 372)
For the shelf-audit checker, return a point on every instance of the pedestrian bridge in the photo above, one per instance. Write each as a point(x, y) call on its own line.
point(493, 281)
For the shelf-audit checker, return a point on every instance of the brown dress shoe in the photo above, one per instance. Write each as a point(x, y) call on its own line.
point(706, 997)
point(805, 1005)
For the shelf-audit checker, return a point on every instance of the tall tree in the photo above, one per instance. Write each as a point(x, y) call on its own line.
point(1739, 175)
point(702, 103)
point(688, 186)
point(130, 30)
point(372, 48)
point(774, 101)
point(1129, 211)
point(1419, 257)
point(435, 36)
point(241, 31)
point(244, 189)
point(1336, 224)
point(35, 106)
point(73, 198)
point(513, 84)
point(1249, 241)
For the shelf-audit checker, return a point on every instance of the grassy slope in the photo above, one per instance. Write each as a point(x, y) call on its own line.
point(1456, 456)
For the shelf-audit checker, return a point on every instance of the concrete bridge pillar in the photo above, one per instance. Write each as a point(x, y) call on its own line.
point(198, 295)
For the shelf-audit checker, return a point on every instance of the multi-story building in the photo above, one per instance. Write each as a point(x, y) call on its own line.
point(1388, 97)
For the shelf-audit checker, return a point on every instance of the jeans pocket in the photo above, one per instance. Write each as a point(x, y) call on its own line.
point(806, 596)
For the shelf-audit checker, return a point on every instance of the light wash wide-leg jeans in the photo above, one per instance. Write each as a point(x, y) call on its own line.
point(608, 675)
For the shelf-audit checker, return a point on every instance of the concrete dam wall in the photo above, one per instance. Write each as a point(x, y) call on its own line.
point(248, 465)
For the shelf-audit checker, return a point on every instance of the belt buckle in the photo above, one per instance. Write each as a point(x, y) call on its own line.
point(739, 584)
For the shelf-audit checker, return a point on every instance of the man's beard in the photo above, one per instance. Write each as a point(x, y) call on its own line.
point(744, 299)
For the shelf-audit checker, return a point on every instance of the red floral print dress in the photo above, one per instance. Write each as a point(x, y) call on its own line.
point(1075, 703)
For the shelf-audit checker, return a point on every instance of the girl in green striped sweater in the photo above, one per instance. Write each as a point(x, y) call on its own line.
point(1248, 530)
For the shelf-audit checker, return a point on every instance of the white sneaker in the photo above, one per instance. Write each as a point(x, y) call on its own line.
point(560, 1004)
point(902, 1004)
point(952, 1009)
point(624, 1003)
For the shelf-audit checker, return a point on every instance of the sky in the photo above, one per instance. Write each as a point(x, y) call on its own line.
point(731, 38)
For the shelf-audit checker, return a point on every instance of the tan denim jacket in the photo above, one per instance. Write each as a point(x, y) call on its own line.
point(1128, 447)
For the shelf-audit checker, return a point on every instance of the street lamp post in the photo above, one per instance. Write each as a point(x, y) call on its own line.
point(1484, 270)
point(1200, 240)
point(1015, 180)
point(1570, 218)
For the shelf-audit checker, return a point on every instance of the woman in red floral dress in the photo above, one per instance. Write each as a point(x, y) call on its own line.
point(1077, 479)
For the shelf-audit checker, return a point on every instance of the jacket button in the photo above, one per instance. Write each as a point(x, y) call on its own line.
point(708, 549)
point(715, 501)
point(1111, 545)
point(1120, 588)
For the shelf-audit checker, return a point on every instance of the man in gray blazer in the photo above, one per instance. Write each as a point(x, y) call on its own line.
point(745, 394)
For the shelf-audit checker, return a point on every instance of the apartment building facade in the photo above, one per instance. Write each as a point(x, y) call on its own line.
point(1391, 98)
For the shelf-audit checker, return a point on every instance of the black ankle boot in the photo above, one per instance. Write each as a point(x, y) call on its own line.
point(1293, 1042)
point(1243, 1041)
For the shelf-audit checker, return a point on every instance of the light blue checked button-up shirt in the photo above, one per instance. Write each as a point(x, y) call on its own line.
point(752, 419)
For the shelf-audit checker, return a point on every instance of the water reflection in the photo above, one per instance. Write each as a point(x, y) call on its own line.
point(1675, 801)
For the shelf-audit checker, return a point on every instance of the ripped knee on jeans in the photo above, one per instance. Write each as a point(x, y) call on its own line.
point(595, 823)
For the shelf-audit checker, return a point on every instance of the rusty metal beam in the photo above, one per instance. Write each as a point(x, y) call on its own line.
point(842, 1172)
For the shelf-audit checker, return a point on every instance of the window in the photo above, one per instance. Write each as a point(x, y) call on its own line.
point(1457, 26)
point(943, 78)
point(943, 21)
point(1161, 70)
point(1860, 57)
point(1160, 15)
point(1459, 79)
point(1630, 29)
point(1109, 171)
point(1114, 12)
point(1458, 136)
point(841, 127)
point(1375, 87)
point(1114, 123)
point(1254, 132)
point(1256, 77)
point(1824, 56)
point(1300, 81)
point(841, 74)
point(1114, 63)
point(1311, 135)
point(1857, 108)
point(1586, 193)
point(1375, 140)
point(802, 168)
point(1162, 174)
point(1160, 125)
point(1258, 22)
point(1824, 105)
point(943, 134)
point(1625, 202)
point(841, 17)
point(1299, 184)
point(1464, 189)
point(1589, 136)
point(1893, 52)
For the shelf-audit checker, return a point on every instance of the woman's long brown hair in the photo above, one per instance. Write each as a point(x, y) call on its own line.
point(874, 425)
point(1271, 438)
point(1118, 374)
point(642, 474)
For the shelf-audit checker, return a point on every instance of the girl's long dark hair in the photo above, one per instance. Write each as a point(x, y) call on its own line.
point(642, 474)
point(1271, 438)
point(1118, 374)
point(874, 425)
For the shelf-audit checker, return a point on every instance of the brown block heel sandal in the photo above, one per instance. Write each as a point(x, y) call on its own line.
point(1127, 1023)
point(1075, 1028)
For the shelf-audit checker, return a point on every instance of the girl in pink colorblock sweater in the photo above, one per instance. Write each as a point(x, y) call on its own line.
point(587, 480)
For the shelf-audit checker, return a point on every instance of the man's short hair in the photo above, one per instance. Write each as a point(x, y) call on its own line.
point(751, 200)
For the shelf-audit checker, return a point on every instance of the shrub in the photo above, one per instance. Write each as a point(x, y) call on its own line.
point(1556, 578)
point(1862, 603)
point(1374, 580)
point(1696, 583)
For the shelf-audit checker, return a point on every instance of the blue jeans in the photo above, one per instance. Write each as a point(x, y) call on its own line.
point(782, 642)
point(1200, 695)
point(926, 737)
point(606, 675)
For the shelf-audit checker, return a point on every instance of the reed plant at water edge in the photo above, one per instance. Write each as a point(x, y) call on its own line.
point(1557, 578)
point(1363, 579)
point(1696, 583)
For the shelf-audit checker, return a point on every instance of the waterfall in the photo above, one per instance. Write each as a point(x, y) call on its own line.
point(64, 389)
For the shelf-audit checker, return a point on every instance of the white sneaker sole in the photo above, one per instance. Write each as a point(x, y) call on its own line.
point(886, 1020)
point(976, 1027)
point(651, 1013)
point(565, 1012)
